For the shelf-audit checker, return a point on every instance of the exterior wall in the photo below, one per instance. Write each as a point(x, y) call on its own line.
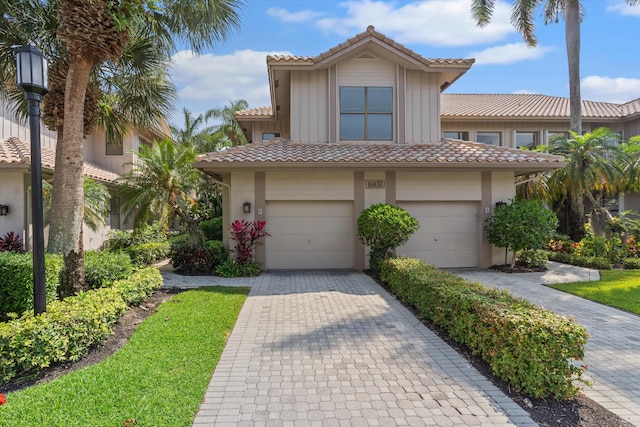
point(309, 106)
point(279, 126)
point(243, 190)
point(632, 128)
point(308, 185)
point(438, 186)
point(11, 126)
point(13, 193)
point(422, 123)
point(502, 190)
point(95, 151)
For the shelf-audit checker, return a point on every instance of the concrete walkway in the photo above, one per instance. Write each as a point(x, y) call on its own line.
point(613, 348)
point(335, 349)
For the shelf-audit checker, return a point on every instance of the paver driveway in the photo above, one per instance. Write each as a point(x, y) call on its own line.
point(333, 349)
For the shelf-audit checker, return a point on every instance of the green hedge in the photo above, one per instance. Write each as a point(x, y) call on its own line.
point(102, 268)
point(148, 253)
point(212, 229)
point(70, 327)
point(528, 347)
point(631, 263)
point(16, 281)
point(598, 263)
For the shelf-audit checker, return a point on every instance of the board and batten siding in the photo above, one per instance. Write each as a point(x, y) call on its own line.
point(309, 106)
point(309, 185)
point(422, 123)
point(438, 186)
point(278, 126)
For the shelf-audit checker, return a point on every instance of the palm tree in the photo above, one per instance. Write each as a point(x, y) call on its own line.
point(82, 36)
point(161, 185)
point(229, 127)
point(96, 202)
point(522, 18)
point(204, 140)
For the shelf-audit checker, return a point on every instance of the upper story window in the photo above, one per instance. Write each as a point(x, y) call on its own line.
point(528, 140)
point(464, 136)
point(114, 148)
point(269, 135)
point(366, 113)
point(492, 138)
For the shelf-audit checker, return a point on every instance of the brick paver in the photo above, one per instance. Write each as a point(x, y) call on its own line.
point(335, 349)
point(612, 352)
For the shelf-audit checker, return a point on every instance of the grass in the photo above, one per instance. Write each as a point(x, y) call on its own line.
point(157, 379)
point(616, 288)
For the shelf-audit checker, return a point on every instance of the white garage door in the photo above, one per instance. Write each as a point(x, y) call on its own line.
point(309, 235)
point(448, 234)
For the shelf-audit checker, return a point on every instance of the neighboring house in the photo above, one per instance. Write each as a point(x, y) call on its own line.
point(357, 125)
point(103, 162)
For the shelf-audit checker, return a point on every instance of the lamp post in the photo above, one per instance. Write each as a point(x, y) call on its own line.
point(31, 71)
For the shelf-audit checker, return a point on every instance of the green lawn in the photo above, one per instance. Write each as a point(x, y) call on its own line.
point(616, 288)
point(157, 379)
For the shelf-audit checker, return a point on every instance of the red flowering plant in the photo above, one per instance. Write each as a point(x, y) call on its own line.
point(246, 235)
point(3, 399)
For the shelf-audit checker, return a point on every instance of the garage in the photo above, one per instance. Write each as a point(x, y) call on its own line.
point(448, 234)
point(309, 235)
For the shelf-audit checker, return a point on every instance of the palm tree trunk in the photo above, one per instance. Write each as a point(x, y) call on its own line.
point(66, 232)
point(572, 36)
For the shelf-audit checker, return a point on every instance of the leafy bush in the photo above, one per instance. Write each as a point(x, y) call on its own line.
point(16, 281)
point(212, 229)
point(526, 346)
point(383, 228)
point(532, 258)
point(102, 268)
point(246, 235)
point(631, 263)
point(11, 242)
point(118, 240)
point(70, 327)
point(148, 253)
point(194, 261)
point(178, 241)
point(523, 224)
point(230, 268)
point(581, 261)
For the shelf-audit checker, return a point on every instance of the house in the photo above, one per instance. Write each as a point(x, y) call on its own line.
point(103, 161)
point(357, 125)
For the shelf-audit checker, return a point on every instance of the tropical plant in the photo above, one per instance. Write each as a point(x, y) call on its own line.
point(160, 187)
point(522, 17)
point(229, 128)
point(96, 202)
point(246, 235)
point(520, 225)
point(383, 228)
point(11, 242)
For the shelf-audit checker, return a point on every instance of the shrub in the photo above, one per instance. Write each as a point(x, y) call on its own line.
point(581, 261)
point(118, 240)
point(383, 228)
point(532, 258)
point(212, 229)
point(523, 224)
point(230, 268)
point(102, 268)
point(70, 327)
point(194, 261)
point(631, 263)
point(246, 235)
point(148, 253)
point(16, 281)
point(178, 241)
point(526, 346)
point(11, 242)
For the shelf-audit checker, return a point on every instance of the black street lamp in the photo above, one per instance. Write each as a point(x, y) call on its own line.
point(32, 76)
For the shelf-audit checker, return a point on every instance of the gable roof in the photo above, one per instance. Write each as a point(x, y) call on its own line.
point(449, 153)
point(14, 152)
point(528, 106)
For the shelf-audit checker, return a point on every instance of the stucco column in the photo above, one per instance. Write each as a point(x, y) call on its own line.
point(358, 207)
point(259, 213)
point(486, 207)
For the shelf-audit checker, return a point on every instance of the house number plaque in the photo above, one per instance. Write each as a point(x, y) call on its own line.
point(374, 184)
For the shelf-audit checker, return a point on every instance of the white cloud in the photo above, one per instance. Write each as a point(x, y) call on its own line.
point(427, 22)
point(621, 7)
point(299, 16)
point(524, 92)
point(210, 81)
point(509, 53)
point(610, 89)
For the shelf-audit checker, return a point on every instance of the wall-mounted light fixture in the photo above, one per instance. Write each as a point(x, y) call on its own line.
point(246, 207)
point(4, 210)
point(498, 204)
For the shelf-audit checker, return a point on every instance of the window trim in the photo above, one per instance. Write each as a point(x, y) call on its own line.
point(391, 113)
point(462, 133)
point(108, 144)
point(499, 144)
point(535, 143)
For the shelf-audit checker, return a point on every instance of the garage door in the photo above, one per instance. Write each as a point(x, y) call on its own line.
point(309, 235)
point(448, 234)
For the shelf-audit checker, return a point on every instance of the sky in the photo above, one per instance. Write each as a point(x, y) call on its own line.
point(236, 68)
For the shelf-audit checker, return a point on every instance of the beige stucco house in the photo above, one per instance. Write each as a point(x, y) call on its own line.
point(357, 125)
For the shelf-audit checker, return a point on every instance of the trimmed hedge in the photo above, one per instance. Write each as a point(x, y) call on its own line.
point(528, 347)
point(212, 229)
point(102, 268)
point(598, 263)
point(198, 261)
point(631, 263)
point(16, 281)
point(70, 327)
point(148, 253)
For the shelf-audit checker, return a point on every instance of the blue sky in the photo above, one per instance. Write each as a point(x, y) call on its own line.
point(236, 69)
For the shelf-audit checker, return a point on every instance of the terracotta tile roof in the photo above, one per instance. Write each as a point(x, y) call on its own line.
point(16, 152)
point(449, 153)
point(372, 33)
point(631, 108)
point(260, 112)
point(522, 105)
